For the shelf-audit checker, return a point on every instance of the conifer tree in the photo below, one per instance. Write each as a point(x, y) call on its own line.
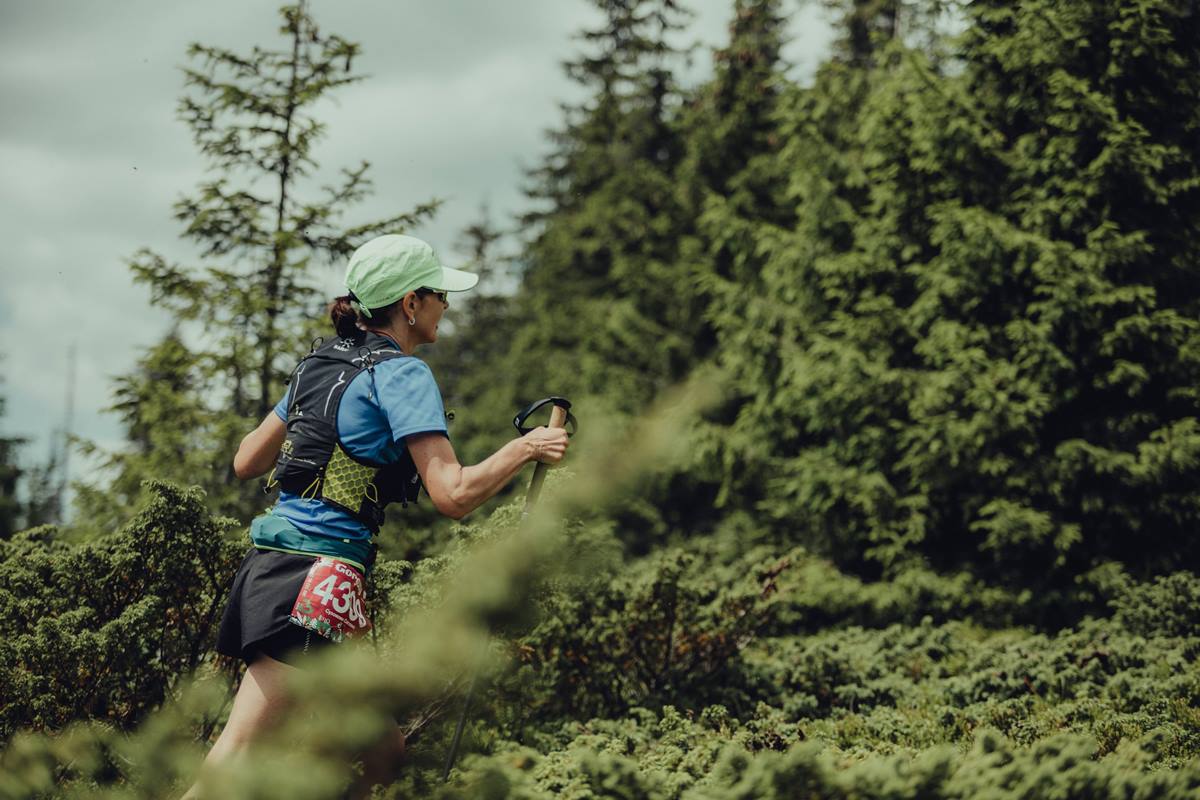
point(733, 123)
point(730, 175)
point(730, 185)
point(259, 228)
point(984, 351)
point(164, 416)
point(467, 361)
point(600, 304)
point(867, 27)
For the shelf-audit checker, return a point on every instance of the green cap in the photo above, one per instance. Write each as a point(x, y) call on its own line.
point(388, 267)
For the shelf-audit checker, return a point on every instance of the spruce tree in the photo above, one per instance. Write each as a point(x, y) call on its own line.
point(730, 175)
point(468, 359)
point(164, 416)
point(730, 185)
point(732, 127)
point(600, 305)
point(866, 28)
point(259, 228)
point(979, 346)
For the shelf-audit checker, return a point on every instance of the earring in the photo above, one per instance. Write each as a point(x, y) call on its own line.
point(412, 320)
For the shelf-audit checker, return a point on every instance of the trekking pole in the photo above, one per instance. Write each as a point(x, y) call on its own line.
point(560, 415)
point(558, 419)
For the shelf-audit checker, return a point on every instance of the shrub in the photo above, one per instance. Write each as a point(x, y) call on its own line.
point(669, 626)
point(104, 630)
point(1167, 606)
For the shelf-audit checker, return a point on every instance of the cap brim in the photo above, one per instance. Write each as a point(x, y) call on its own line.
point(455, 280)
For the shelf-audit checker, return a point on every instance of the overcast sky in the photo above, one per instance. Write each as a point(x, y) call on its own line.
point(456, 102)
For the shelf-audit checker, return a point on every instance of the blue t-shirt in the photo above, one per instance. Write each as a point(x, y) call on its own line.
point(372, 421)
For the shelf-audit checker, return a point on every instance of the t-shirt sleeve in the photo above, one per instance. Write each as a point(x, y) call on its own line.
point(410, 398)
point(281, 407)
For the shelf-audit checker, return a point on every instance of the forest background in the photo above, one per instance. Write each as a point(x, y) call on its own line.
point(886, 479)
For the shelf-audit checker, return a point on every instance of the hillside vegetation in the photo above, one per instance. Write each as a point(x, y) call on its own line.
point(888, 473)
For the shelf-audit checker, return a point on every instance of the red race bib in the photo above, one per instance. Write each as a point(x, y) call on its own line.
point(331, 601)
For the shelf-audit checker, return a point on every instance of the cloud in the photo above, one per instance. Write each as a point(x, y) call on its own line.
point(92, 157)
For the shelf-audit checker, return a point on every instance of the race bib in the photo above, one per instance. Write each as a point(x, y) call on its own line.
point(331, 601)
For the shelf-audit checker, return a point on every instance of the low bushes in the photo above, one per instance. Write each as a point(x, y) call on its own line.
point(104, 630)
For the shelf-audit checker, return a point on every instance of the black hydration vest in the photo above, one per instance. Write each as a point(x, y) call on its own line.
point(312, 462)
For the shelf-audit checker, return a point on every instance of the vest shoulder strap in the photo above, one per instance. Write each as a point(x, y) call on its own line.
point(312, 461)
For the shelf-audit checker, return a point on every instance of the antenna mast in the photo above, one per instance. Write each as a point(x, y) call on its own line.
point(64, 453)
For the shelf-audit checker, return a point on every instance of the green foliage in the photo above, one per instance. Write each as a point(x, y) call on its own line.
point(599, 269)
point(816, 595)
point(1168, 606)
point(974, 346)
point(105, 630)
point(848, 706)
point(250, 308)
point(666, 627)
point(867, 27)
point(674, 757)
point(934, 540)
point(904, 689)
point(926, 711)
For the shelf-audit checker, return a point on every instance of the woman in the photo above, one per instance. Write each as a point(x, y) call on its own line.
point(362, 425)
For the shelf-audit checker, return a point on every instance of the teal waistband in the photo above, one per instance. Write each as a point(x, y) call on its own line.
point(270, 532)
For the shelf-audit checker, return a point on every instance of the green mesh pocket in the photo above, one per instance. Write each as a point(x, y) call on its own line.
point(347, 482)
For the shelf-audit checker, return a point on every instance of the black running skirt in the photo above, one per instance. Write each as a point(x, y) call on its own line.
point(260, 602)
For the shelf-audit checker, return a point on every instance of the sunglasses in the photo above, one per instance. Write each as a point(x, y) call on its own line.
point(443, 296)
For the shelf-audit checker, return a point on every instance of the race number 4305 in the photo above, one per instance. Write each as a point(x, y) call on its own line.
point(331, 600)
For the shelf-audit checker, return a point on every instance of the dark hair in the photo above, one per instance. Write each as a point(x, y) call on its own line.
point(345, 317)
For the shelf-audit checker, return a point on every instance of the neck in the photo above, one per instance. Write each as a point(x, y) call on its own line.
point(400, 334)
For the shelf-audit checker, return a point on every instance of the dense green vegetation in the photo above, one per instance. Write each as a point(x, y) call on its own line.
point(920, 522)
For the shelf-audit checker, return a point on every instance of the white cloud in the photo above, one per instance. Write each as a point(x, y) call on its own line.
point(92, 157)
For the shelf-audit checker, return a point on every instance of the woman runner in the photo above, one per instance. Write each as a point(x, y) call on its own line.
point(361, 425)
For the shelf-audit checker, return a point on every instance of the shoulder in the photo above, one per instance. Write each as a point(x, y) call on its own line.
point(409, 397)
point(405, 368)
point(406, 380)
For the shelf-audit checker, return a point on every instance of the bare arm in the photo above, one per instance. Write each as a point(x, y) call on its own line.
point(259, 448)
point(457, 490)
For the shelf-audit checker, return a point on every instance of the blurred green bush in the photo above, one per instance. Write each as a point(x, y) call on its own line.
point(105, 630)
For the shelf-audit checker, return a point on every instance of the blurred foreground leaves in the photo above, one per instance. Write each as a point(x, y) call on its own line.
point(106, 629)
point(721, 671)
point(932, 534)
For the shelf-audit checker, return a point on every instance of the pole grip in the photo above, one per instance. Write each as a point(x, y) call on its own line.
point(558, 419)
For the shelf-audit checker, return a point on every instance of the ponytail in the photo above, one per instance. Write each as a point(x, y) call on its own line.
point(349, 323)
point(344, 317)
